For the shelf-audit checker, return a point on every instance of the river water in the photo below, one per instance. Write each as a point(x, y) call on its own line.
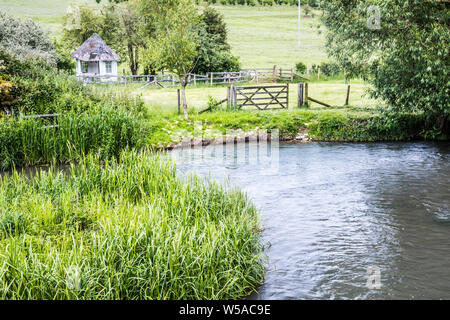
point(344, 221)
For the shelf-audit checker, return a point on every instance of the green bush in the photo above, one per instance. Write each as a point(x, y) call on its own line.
point(300, 67)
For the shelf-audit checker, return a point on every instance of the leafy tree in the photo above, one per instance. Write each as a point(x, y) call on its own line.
point(118, 25)
point(404, 53)
point(25, 40)
point(214, 53)
point(175, 43)
point(215, 25)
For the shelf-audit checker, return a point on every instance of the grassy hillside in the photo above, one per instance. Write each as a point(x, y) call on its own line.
point(260, 36)
point(264, 36)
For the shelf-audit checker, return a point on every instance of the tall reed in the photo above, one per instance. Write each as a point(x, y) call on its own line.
point(125, 229)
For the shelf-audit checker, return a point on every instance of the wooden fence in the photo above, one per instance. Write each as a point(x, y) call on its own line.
point(168, 80)
point(257, 75)
point(261, 97)
point(273, 74)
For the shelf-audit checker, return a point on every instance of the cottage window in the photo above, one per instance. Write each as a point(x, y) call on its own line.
point(84, 67)
point(108, 66)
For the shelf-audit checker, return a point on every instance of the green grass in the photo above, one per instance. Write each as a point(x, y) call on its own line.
point(260, 36)
point(267, 36)
point(47, 12)
point(333, 92)
point(130, 229)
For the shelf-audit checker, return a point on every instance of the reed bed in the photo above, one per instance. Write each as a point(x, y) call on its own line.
point(125, 229)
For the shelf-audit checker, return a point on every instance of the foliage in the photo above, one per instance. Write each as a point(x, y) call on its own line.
point(126, 229)
point(106, 131)
point(406, 56)
point(25, 40)
point(176, 38)
point(214, 53)
point(118, 25)
point(300, 67)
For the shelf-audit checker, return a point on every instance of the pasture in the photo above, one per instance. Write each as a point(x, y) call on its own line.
point(260, 36)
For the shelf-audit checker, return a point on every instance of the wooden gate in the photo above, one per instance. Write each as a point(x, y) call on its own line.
point(261, 97)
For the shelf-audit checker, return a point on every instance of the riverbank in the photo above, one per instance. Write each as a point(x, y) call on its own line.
point(291, 125)
point(106, 131)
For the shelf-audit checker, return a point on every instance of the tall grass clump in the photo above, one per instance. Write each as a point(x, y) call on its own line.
point(103, 130)
point(125, 229)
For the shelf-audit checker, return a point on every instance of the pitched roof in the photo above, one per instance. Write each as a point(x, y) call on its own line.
point(95, 49)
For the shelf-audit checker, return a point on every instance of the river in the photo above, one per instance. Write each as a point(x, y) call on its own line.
point(344, 221)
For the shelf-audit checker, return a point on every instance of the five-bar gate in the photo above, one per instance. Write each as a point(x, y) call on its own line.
point(261, 97)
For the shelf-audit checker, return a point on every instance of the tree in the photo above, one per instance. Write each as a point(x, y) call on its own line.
point(401, 47)
point(25, 40)
point(214, 53)
point(117, 24)
point(175, 42)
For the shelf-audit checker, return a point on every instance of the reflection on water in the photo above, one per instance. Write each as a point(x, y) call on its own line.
point(331, 211)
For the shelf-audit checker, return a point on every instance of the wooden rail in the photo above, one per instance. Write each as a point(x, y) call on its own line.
point(261, 97)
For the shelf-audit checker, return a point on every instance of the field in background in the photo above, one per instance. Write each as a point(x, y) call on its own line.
point(260, 36)
point(47, 12)
point(265, 36)
point(164, 100)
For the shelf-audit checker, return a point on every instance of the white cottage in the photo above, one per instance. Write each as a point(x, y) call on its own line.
point(94, 58)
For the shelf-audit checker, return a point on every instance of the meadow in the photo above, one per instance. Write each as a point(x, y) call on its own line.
point(260, 36)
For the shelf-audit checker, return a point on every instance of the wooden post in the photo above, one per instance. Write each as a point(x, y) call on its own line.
point(233, 95)
point(179, 101)
point(125, 81)
point(274, 73)
point(306, 92)
point(195, 80)
point(300, 95)
point(287, 96)
point(348, 95)
point(318, 73)
point(211, 76)
point(292, 74)
point(228, 96)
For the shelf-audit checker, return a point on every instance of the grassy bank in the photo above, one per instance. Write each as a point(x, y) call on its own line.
point(129, 229)
point(334, 125)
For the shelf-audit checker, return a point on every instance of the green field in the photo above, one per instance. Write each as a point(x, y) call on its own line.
point(260, 36)
point(331, 92)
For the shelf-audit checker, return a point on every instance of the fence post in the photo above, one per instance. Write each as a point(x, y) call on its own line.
point(306, 92)
point(173, 80)
point(233, 95)
point(195, 80)
point(211, 76)
point(287, 96)
point(179, 101)
point(300, 95)
point(228, 96)
point(274, 73)
point(348, 95)
point(292, 74)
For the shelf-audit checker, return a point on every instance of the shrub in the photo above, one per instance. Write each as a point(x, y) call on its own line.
point(300, 67)
point(25, 40)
